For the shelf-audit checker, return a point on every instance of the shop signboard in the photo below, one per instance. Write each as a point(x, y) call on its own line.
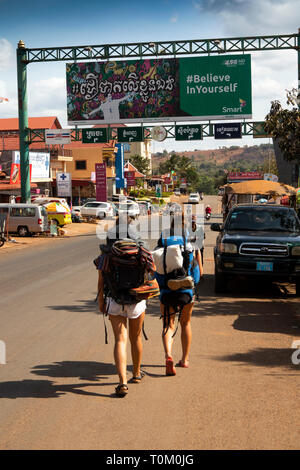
point(101, 183)
point(64, 184)
point(130, 177)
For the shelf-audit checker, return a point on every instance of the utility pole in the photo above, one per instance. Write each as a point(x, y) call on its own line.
point(23, 122)
point(298, 96)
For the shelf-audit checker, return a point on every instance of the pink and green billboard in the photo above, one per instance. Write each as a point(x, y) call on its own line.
point(197, 88)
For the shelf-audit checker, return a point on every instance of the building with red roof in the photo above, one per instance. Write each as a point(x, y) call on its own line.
point(9, 143)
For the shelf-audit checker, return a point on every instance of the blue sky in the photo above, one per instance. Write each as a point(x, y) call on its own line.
point(66, 23)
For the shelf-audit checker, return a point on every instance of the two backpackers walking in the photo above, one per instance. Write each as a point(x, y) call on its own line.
point(128, 275)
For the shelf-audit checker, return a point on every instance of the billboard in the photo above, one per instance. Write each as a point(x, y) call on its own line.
point(40, 163)
point(244, 176)
point(153, 90)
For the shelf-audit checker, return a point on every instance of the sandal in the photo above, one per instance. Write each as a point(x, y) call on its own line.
point(183, 364)
point(137, 379)
point(170, 369)
point(121, 390)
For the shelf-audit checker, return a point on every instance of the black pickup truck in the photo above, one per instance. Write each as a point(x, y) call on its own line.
point(258, 240)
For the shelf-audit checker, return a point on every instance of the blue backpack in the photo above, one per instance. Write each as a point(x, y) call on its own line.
point(177, 299)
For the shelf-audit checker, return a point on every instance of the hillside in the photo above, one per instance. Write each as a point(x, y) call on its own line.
point(230, 158)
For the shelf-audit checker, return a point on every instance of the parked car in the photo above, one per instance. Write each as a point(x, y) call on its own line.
point(145, 206)
point(194, 198)
point(258, 240)
point(25, 219)
point(43, 200)
point(97, 209)
point(172, 208)
point(76, 217)
point(76, 209)
point(129, 207)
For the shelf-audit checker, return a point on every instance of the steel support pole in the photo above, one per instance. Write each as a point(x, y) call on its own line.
point(23, 122)
point(298, 95)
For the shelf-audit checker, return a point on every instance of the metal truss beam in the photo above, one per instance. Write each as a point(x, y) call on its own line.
point(38, 135)
point(164, 48)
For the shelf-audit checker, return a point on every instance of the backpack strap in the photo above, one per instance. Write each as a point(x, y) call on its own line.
point(144, 333)
point(165, 256)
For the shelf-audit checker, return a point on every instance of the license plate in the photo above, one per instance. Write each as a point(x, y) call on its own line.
point(264, 266)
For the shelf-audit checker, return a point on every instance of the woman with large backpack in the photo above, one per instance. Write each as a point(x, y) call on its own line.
point(177, 293)
point(126, 313)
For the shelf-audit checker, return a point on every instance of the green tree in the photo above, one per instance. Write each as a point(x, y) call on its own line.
point(140, 163)
point(284, 125)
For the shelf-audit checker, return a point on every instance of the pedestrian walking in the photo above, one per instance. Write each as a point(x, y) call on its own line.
point(121, 272)
point(176, 289)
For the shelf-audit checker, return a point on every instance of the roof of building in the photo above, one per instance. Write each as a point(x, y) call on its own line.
point(12, 124)
point(7, 186)
point(45, 122)
point(130, 167)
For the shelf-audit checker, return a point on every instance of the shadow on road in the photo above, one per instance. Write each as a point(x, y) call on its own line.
point(263, 357)
point(45, 389)
point(89, 372)
point(81, 306)
point(251, 305)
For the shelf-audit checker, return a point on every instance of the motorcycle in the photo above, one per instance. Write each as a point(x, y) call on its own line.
point(2, 239)
point(207, 212)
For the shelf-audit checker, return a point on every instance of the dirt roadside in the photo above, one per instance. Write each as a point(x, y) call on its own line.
point(72, 230)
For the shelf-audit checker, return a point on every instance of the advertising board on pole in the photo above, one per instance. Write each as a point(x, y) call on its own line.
point(94, 136)
point(101, 183)
point(130, 177)
point(153, 90)
point(15, 173)
point(39, 163)
point(189, 132)
point(64, 184)
point(130, 134)
point(119, 164)
point(58, 136)
point(228, 131)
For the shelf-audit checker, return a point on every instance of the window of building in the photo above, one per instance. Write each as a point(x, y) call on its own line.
point(80, 164)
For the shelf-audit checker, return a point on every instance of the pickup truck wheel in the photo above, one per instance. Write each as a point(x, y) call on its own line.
point(220, 283)
point(298, 287)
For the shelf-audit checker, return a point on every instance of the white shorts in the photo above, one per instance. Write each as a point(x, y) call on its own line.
point(129, 311)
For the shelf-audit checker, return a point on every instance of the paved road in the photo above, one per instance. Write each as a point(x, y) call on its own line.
point(57, 388)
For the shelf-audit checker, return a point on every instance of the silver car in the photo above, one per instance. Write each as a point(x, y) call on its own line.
point(97, 209)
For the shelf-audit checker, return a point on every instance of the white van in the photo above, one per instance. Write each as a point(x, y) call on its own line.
point(25, 219)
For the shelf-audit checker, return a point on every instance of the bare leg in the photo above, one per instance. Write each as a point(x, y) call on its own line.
point(167, 336)
point(135, 329)
point(186, 332)
point(119, 325)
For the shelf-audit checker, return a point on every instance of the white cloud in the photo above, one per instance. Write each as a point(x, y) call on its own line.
point(7, 57)
point(47, 97)
point(253, 17)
